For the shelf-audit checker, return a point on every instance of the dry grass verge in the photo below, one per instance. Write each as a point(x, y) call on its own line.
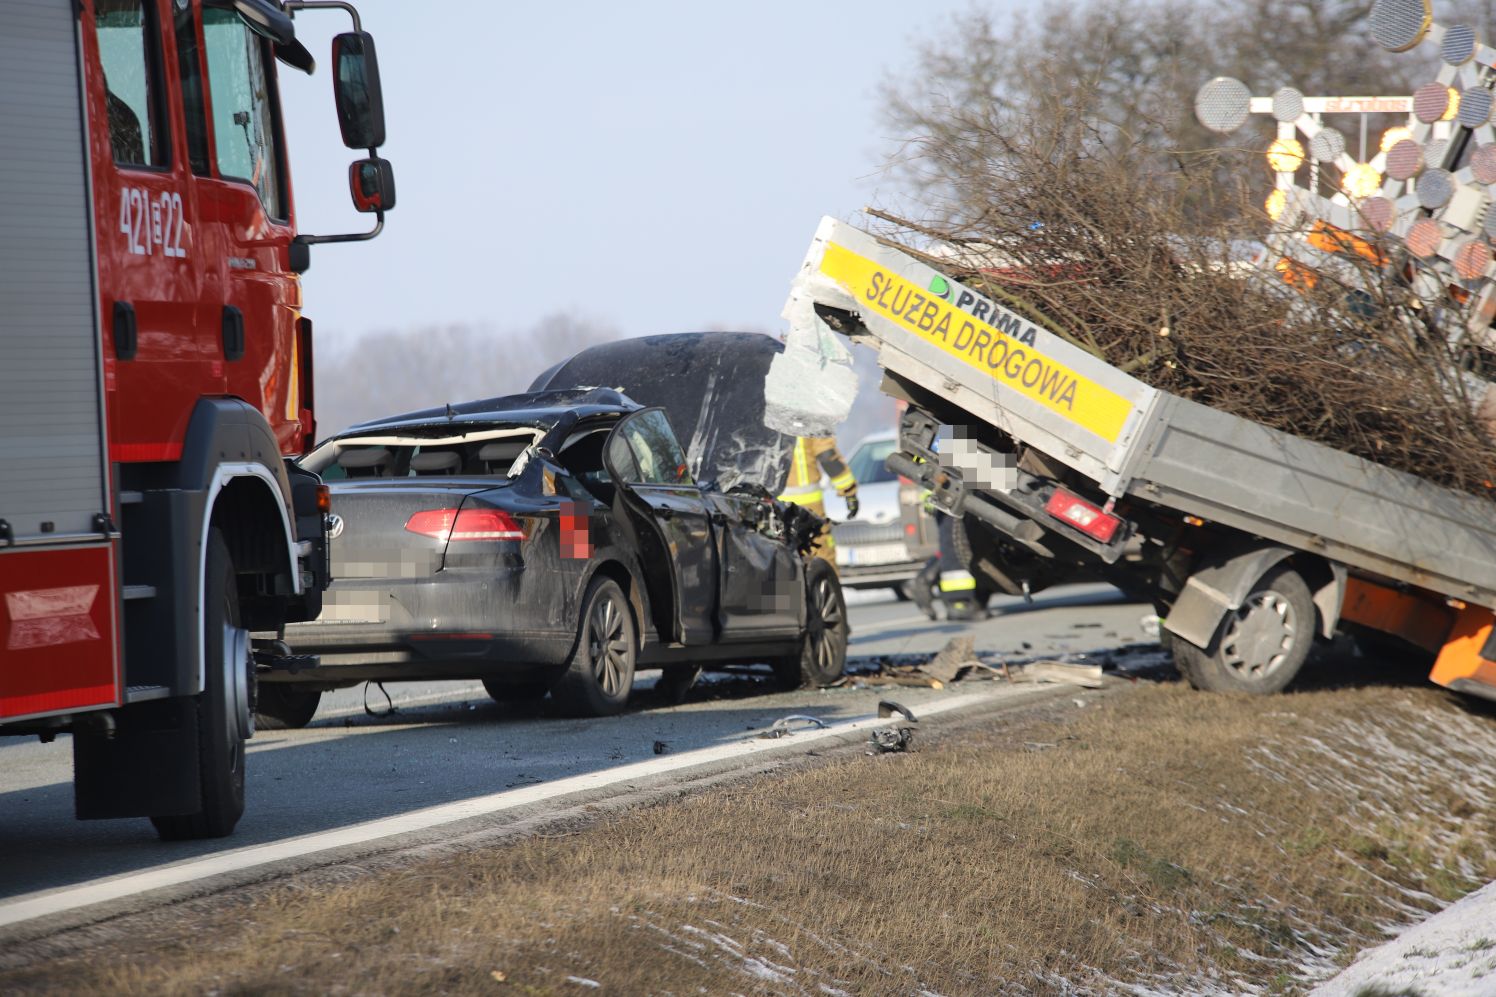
point(1166, 839)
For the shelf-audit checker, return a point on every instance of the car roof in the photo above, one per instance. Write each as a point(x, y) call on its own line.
point(541, 409)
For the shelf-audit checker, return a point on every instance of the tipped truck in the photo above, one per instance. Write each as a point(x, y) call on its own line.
point(1252, 543)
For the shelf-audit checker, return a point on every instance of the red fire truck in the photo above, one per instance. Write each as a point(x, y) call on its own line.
point(155, 374)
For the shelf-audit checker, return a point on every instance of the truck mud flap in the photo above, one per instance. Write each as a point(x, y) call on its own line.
point(148, 767)
point(1218, 588)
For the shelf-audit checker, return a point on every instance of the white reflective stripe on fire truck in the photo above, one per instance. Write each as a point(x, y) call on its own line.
point(225, 474)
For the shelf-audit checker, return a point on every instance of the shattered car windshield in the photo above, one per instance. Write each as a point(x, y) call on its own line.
point(478, 453)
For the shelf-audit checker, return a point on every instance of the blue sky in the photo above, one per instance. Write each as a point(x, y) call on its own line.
point(655, 166)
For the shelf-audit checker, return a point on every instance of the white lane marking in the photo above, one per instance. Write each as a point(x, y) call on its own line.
point(30, 905)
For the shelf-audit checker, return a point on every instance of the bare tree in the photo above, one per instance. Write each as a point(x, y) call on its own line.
point(1137, 67)
point(388, 372)
point(1088, 233)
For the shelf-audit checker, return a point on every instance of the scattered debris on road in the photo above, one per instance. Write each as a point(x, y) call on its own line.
point(783, 726)
point(959, 661)
point(898, 736)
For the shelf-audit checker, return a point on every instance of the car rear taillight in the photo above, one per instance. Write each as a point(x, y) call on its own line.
point(1077, 512)
point(466, 524)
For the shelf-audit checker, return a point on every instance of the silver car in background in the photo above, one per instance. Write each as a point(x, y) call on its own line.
point(893, 535)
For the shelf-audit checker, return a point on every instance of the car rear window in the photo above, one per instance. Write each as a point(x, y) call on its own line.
point(478, 455)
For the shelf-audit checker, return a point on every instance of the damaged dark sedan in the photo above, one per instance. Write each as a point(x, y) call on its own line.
point(554, 542)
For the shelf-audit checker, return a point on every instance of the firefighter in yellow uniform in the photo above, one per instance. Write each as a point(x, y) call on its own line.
point(813, 455)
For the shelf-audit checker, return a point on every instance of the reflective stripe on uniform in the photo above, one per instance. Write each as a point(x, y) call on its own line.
point(809, 497)
point(802, 466)
point(957, 581)
point(844, 482)
point(802, 489)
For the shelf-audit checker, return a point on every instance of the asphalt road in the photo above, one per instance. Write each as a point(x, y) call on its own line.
point(446, 742)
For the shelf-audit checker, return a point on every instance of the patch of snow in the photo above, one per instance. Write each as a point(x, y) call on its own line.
point(1453, 952)
point(582, 981)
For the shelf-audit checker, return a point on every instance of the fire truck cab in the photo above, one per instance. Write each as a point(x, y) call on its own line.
point(155, 375)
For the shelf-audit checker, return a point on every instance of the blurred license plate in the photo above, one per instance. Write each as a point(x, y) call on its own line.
point(887, 553)
point(333, 612)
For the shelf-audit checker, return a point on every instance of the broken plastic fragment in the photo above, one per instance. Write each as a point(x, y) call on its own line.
point(811, 385)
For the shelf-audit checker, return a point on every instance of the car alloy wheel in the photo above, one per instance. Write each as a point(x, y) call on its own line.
point(608, 647)
point(601, 673)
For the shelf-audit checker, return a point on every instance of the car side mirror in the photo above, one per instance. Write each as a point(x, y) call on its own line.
point(356, 90)
point(372, 183)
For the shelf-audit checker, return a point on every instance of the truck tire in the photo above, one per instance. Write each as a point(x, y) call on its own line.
point(601, 673)
point(822, 654)
point(1260, 646)
point(223, 719)
point(285, 706)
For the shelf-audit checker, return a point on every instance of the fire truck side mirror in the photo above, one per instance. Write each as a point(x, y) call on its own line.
point(372, 183)
point(356, 89)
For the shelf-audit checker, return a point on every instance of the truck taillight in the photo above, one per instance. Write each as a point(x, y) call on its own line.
point(455, 525)
point(324, 498)
point(1077, 512)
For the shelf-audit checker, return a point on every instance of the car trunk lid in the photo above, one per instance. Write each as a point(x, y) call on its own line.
point(394, 529)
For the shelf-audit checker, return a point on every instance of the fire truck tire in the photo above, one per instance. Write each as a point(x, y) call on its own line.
point(822, 655)
point(1258, 647)
point(222, 706)
point(284, 706)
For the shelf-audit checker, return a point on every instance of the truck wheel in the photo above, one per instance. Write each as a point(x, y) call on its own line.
point(601, 673)
point(285, 706)
point(223, 718)
point(1260, 646)
point(822, 656)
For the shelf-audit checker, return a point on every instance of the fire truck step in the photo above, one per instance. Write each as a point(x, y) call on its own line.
point(275, 655)
point(140, 591)
point(131, 498)
point(141, 693)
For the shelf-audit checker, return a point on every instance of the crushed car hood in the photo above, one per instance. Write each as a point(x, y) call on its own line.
point(710, 384)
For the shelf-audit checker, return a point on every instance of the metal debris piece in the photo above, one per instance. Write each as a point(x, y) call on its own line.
point(896, 737)
point(1087, 676)
point(954, 660)
point(781, 727)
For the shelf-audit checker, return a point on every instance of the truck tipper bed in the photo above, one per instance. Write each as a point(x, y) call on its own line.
point(1252, 542)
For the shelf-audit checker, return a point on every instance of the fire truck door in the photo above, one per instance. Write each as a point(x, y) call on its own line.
point(150, 248)
point(251, 209)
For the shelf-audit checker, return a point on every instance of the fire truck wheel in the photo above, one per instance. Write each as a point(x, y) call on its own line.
point(223, 718)
point(822, 656)
point(1260, 646)
point(284, 706)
